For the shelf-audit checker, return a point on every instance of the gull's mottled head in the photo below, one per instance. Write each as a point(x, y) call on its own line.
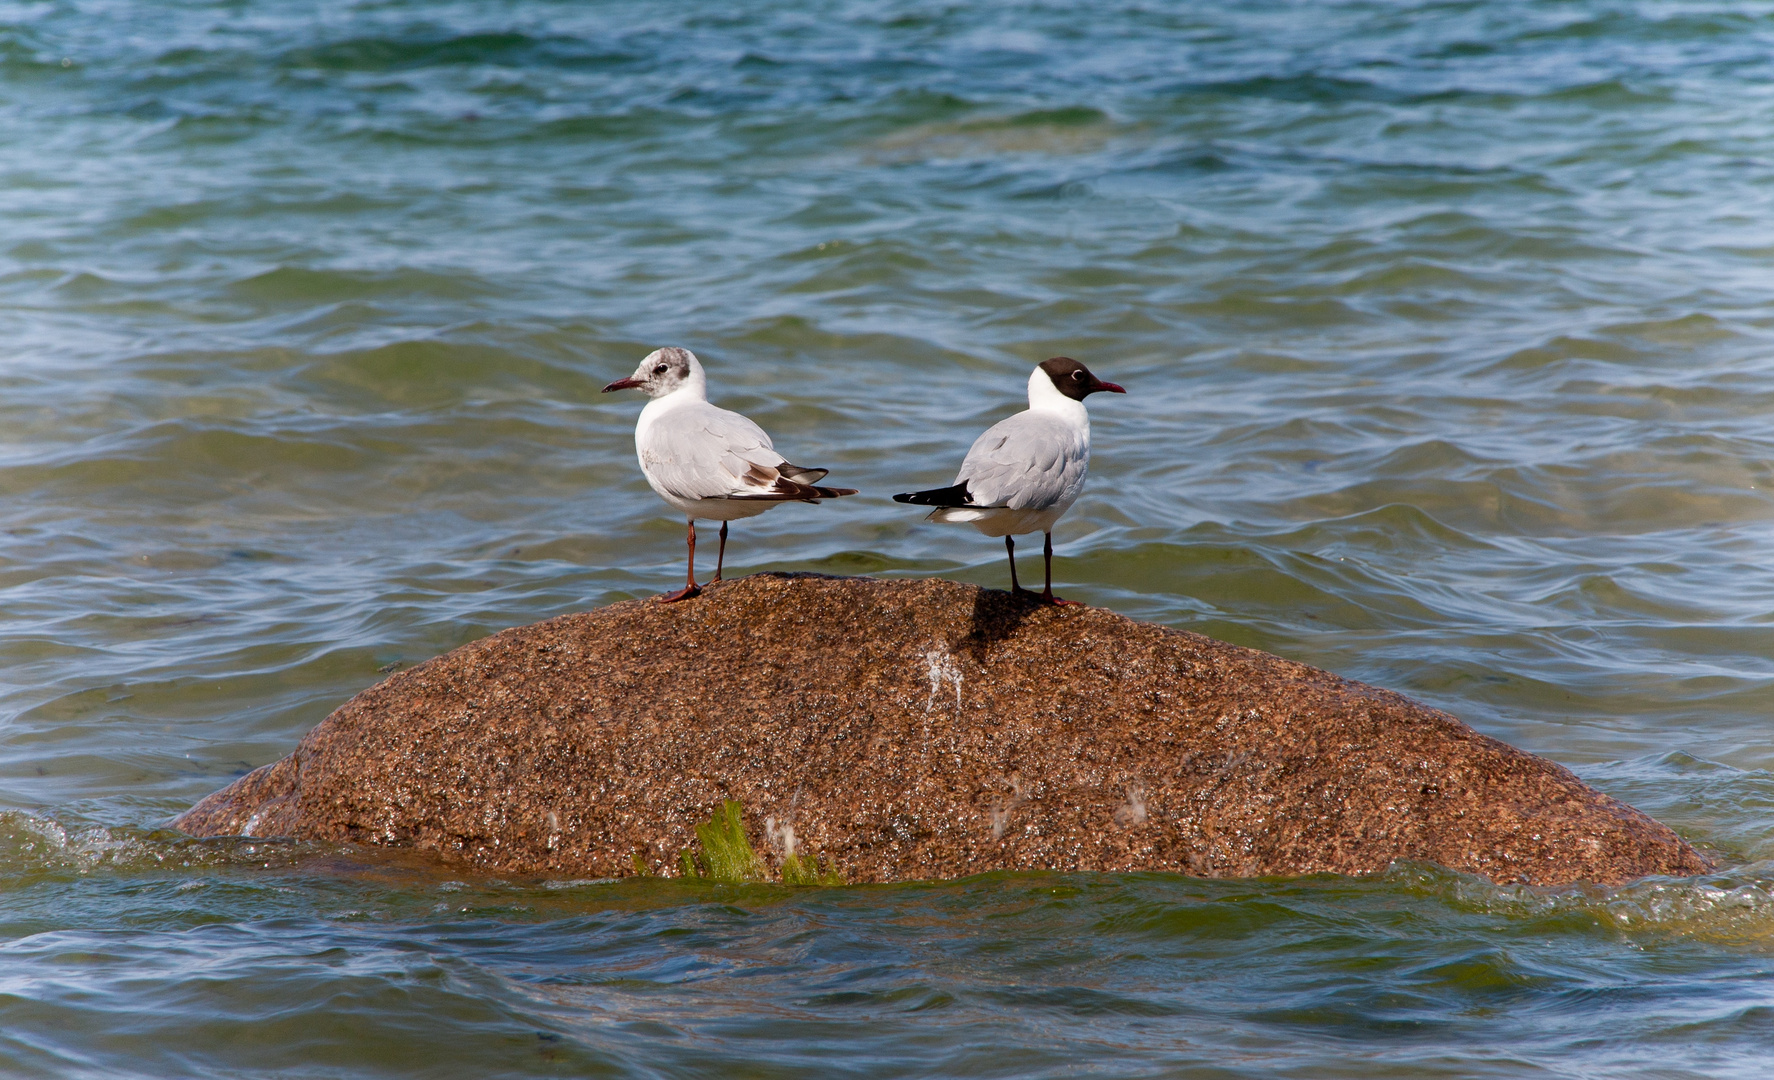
point(662, 372)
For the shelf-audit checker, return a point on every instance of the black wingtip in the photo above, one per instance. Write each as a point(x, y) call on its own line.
point(949, 496)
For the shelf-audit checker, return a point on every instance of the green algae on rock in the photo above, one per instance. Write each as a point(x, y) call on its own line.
point(921, 729)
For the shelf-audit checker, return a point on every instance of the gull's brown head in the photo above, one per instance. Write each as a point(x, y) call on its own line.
point(1074, 379)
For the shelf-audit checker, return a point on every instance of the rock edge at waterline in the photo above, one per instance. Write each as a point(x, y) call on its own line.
point(921, 729)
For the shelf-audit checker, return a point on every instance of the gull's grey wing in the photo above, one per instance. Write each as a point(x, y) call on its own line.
point(1028, 462)
point(703, 452)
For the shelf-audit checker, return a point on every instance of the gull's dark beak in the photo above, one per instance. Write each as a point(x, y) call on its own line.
point(1109, 386)
point(623, 384)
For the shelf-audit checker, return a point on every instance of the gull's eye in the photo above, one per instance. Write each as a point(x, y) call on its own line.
point(660, 370)
point(1079, 375)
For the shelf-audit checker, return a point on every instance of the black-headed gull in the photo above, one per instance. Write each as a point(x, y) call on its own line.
point(1024, 472)
point(710, 463)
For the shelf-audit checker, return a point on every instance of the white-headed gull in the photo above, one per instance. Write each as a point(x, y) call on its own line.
point(708, 462)
point(1024, 472)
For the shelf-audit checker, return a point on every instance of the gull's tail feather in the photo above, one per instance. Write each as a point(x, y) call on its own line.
point(949, 496)
point(789, 491)
point(960, 513)
point(779, 484)
point(802, 475)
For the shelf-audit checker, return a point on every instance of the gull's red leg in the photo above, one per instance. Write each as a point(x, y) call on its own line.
point(1010, 549)
point(690, 589)
point(1047, 596)
point(722, 557)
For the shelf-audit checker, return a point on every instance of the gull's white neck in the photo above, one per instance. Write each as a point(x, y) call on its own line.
point(1044, 397)
point(694, 388)
point(693, 391)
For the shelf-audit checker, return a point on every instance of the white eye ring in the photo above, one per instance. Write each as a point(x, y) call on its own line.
point(660, 370)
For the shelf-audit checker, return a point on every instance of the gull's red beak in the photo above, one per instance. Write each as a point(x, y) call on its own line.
point(623, 384)
point(1109, 386)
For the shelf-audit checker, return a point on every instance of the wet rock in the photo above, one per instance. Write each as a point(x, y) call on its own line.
point(921, 729)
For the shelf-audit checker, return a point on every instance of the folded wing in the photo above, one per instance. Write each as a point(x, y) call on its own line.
point(1028, 462)
point(704, 452)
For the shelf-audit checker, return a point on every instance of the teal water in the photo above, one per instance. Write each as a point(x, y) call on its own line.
point(1449, 341)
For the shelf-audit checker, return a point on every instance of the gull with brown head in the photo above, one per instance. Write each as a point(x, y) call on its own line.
point(1028, 470)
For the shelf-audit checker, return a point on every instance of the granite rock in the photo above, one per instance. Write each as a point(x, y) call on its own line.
point(921, 729)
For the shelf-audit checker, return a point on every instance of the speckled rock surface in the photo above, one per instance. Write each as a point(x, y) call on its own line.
point(921, 729)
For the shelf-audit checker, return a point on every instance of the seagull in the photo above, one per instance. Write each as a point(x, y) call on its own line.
point(1024, 472)
point(708, 462)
